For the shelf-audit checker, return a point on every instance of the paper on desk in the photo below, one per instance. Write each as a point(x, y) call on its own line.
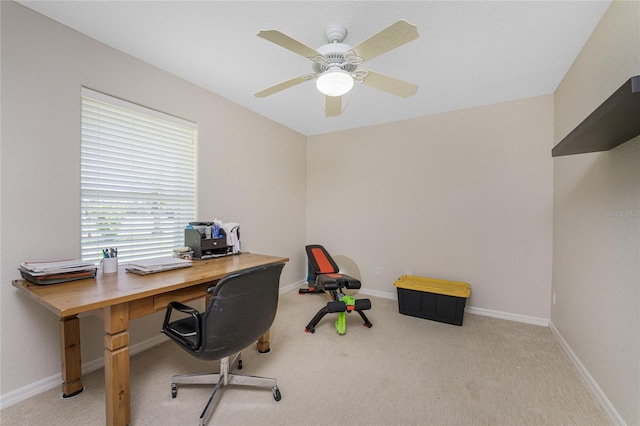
point(57, 266)
point(157, 265)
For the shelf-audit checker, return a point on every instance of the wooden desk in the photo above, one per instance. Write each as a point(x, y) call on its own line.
point(122, 297)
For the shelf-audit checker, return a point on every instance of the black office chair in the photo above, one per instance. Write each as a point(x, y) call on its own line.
point(241, 309)
point(324, 276)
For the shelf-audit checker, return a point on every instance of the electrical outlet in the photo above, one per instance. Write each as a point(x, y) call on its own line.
point(378, 271)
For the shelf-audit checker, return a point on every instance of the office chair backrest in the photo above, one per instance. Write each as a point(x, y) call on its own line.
point(242, 308)
point(320, 261)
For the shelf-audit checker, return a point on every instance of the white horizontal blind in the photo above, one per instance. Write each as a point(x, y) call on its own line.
point(137, 179)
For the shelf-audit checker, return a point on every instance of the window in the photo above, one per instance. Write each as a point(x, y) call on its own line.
point(137, 179)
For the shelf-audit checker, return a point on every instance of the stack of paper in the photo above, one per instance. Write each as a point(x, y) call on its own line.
point(57, 271)
point(150, 266)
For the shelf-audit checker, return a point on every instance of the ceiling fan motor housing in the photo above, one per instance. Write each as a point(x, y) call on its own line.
point(334, 56)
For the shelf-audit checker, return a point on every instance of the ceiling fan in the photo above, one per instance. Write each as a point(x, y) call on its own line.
point(335, 65)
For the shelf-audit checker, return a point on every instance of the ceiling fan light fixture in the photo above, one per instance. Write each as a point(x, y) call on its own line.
point(334, 82)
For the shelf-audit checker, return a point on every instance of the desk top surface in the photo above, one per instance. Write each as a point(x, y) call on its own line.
point(75, 297)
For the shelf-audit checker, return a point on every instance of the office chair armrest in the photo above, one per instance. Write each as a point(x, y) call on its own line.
point(182, 308)
point(189, 337)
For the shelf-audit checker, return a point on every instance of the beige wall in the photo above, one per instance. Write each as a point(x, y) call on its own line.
point(44, 64)
point(464, 196)
point(596, 235)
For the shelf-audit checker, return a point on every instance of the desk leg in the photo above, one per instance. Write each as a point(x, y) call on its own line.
point(70, 356)
point(117, 379)
point(263, 343)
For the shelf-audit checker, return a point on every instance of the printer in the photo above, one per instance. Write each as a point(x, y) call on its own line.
point(212, 239)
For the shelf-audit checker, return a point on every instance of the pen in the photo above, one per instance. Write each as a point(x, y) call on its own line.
point(104, 253)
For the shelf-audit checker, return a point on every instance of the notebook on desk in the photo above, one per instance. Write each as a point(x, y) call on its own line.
point(151, 266)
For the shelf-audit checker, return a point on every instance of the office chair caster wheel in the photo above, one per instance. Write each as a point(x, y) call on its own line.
point(239, 364)
point(174, 390)
point(276, 394)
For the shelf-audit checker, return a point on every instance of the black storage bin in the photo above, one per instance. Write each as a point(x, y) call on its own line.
point(433, 299)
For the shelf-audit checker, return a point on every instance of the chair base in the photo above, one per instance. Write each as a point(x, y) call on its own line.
point(224, 377)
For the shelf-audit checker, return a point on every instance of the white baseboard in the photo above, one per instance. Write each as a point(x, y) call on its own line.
point(472, 310)
point(51, 382)
point(587, 378)
point(377, 293)
point(294, 286)
point(508, 316)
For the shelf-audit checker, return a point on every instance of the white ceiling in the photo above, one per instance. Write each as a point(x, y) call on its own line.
point(468, 54)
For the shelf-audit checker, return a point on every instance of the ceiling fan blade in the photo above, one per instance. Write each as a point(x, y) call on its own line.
point(283, 40)
point(284, 85)
point(389, 84)
point(391, 37)
point(333, 105)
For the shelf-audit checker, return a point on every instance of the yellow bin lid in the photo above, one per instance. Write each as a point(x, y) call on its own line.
point(433, 285)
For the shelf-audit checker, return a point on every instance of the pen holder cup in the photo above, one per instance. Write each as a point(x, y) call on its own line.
point(109, 265)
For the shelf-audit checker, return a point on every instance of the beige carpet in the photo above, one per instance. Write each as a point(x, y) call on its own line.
point(403, 371)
